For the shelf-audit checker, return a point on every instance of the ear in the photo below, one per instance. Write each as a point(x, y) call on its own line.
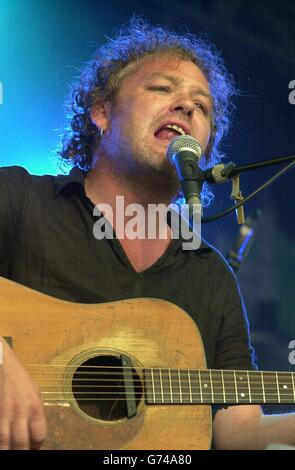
point(100, 115)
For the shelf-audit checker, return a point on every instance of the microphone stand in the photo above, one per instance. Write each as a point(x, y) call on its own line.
point(261, 164)
point(223, 173)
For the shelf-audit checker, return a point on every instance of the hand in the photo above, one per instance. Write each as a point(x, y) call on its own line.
point(22, 419)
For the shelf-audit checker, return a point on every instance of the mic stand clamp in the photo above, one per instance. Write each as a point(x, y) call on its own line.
point(237, 196)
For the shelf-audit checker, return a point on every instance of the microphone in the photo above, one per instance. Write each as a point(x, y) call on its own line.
point(184, 153)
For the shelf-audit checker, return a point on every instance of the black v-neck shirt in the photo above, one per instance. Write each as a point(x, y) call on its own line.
point(47, 243)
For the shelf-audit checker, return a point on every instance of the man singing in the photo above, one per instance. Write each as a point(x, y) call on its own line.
point(142, 89)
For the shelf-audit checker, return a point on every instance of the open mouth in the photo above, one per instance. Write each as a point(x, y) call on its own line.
point(169, 132)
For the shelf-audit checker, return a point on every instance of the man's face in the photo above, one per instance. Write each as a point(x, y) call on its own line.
point(163, 91)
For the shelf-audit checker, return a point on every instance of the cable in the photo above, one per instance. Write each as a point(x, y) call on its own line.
point(251, 196)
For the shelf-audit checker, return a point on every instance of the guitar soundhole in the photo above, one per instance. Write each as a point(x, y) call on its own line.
point(99, 390)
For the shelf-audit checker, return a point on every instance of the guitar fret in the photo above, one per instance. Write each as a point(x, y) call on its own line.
point(237, 398)
point(165, 386)
point(180, 390)
point(211, 385)
point(270, 387)
point(175, 386)
point(286, 388)
point(243, 387)
point(217, 386)
point(200, 384)
point(195, 385)
point(161, 386)
point(185, 386)
point(153, 386)
point(190, 386)
point(262, 381)
point(278, 388)
point(171, 394)
point(206, 386)
point(223, 389)
point(157, 382)
point(256, 387)
point(250, 397)
point(229, 386)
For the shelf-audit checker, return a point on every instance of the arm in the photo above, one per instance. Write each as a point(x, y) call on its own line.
point(247, 428)
point(22, 420)
point(242, 426)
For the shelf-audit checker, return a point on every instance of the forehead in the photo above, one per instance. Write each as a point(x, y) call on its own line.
point(165, 66)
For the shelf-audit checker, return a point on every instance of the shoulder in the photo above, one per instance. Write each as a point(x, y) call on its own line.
point(8, 173)
point(16, 180)
point(18, 173)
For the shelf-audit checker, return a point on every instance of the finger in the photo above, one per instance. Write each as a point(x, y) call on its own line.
point(20, 438)
point(38, 431)
point(4, 434)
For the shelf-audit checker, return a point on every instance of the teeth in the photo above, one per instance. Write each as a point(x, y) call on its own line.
point(176, 128)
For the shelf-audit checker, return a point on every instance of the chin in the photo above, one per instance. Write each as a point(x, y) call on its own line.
point(154, 161)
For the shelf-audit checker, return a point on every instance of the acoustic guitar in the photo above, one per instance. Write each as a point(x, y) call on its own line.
point(125, 375)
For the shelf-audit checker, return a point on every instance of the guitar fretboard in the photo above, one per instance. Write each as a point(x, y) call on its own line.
point(177, 386)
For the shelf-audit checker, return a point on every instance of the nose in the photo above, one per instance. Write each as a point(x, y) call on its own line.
point(185, 106)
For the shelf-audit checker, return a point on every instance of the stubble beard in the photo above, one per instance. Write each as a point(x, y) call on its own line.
point(135, 158)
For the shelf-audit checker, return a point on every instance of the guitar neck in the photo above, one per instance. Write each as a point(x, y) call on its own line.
point(186, 386)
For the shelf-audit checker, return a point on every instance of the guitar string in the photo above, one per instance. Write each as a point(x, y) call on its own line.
point(52, 369)
point(58, 401)
point(159, 392)
point(174, 381)
point(167, 381)
point(287, 395)
point(203, 371)
point(195, 400)
point(252, 374)
point(214, 382)
point(272, 396)
point(104, 370)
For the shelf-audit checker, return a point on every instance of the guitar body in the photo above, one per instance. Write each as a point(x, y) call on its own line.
point(54, 339)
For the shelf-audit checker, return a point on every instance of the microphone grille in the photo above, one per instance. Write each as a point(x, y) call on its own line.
point(183, 142)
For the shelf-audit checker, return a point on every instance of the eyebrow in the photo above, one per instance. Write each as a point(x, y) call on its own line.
point(177, 81)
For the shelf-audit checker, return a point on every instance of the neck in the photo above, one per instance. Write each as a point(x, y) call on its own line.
point(104, 183)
